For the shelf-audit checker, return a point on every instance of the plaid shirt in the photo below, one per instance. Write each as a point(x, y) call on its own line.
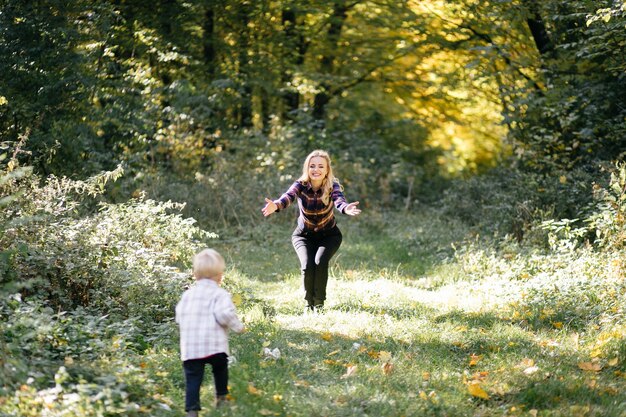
point(204, 314)
point(314, 214)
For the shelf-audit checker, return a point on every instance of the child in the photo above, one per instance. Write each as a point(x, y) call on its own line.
point(204, 315)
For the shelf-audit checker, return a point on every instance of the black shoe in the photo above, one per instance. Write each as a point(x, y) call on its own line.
point(309, 309)
point(319, 309)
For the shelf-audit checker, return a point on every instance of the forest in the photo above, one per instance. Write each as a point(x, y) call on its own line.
point(484, 140)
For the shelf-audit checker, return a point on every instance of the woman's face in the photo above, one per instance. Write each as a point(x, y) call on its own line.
point(318, 169)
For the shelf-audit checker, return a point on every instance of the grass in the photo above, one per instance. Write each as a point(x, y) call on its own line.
point(411, 326)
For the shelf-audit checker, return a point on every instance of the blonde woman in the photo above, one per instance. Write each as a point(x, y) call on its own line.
point(317, 237)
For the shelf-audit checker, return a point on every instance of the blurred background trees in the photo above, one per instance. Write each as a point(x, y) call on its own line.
point(404, 94)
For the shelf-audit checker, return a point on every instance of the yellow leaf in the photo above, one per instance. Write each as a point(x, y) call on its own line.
point(562, 179)
point(278, 398)
point(426, 376)
point(334, 352)
point(327, 336)
point(590, 366)
point(350, 371)
point(476, 391)
point(526, 363)
point(266, 343)
point(558, 324)
point(533, 412)
point(253, 390)
point(372, 354)
point(613, 362)
point(480, 376)
point(384, 356)
point(474, 359)
point(423, 396)
point(237, 300)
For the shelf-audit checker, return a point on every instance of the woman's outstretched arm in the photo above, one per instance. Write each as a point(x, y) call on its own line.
point(270, 207)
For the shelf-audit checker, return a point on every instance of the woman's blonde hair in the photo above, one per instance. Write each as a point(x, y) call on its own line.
point(208, 264)
point(327, 183)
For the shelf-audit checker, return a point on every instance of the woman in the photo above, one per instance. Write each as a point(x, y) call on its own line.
point(317, 237)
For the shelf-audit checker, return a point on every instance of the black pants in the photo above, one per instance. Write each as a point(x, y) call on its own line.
point(314, 250)
point(194, 373)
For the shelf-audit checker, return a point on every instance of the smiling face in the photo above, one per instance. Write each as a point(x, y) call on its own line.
point(317, 170)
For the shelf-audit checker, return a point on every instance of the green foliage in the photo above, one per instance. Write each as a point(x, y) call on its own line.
point(577, 117)
point(608, 219)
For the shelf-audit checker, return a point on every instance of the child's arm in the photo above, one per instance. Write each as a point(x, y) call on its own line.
point(226, 315)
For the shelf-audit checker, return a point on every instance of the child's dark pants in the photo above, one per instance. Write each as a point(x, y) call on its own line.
point(194, 373)
point(314, 250)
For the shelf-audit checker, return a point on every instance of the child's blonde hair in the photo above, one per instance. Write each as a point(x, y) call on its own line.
point(208, 264)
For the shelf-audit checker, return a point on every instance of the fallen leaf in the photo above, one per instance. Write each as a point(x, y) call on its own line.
point(590, 366)
point(237, 299)
point(266, 343)
point(480, 376)
point(476, 391)
point(254, 390)
point(426, 376)
point(527, 363)
point(474, 359)
point(277, 397)
point(533, 412)
point(350, 371)
point(384, 356)
point(613, 362)
point(531, 370)
point(423, 396)
point(372, 354)
point(301, 383)
point(334, 352)
point(558, 324)
point(266, 412)
point(327, 336)
point(387, 368)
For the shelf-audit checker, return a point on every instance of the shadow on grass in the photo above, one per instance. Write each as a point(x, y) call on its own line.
point(313, 375)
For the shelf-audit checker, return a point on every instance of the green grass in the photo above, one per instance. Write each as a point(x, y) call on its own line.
point(397, 287)
point(400, 295)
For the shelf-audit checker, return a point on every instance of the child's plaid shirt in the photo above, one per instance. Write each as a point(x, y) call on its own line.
point(204, 314)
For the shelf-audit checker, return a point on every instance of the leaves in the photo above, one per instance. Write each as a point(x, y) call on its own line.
point(474, 388)
point(474, 359)
point(590, 366)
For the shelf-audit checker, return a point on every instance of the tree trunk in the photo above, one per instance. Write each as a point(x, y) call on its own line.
point(245, 103)
point(208, 40)
point(291, 98)
point(327, 63)
point(538, 30)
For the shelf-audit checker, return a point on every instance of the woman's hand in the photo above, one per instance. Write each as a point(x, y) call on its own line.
point(352, 209)
point(270, 207)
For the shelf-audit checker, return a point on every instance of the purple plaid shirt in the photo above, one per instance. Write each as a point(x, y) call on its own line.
point(204, 314)
point(314, 214)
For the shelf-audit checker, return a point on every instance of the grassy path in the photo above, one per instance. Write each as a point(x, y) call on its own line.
point(415, 340)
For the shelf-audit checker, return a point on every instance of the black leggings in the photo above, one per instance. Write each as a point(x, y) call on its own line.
point(194, 373)
point(314, 250)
